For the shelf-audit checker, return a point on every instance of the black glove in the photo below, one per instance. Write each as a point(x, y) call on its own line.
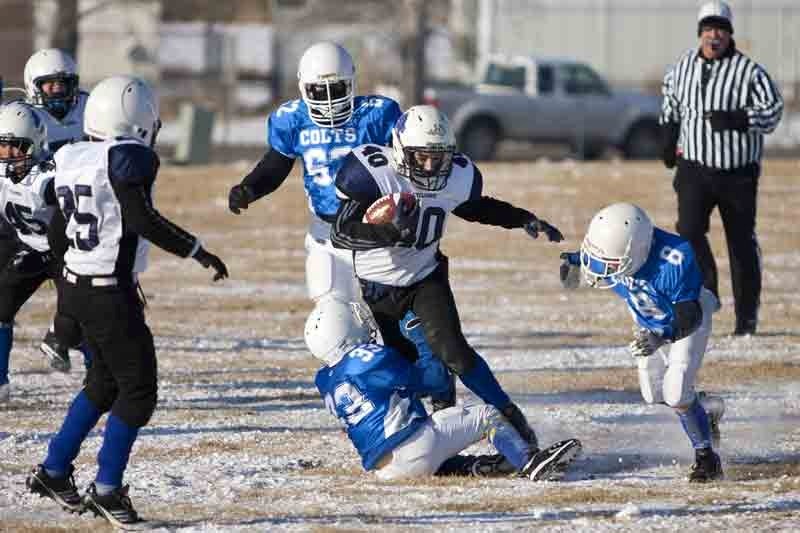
point(669, 154)
point(537, 224)
point(240, 197)
point(728, 120)
point(405, 222)
point(210, 260)
point(645, 343)
point(520, 423)
point(570, 270)
point(30, 263)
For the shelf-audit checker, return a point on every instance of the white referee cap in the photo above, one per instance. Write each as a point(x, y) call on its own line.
point(718, 12)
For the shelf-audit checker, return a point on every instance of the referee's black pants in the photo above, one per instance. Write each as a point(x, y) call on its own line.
point(123, 376)
point(734, 193)
point(431, 299)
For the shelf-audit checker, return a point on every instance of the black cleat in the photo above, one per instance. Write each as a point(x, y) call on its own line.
point(549, 464)
point(61, 490)
point(115, 507)
point(56, 353)
point(707, 467)
point(494, 465)
point(520, 423)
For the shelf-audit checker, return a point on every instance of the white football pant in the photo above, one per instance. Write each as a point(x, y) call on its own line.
point(668, 375)
point(444, 434)
point(329, 270)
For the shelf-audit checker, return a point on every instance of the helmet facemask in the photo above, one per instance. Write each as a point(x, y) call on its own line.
point(423, 147)
point(428, 167)
point(601, 271)
point(15, 168)
point(59, 104)
point(330, 102)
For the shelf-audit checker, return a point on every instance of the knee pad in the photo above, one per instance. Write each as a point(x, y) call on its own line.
point(67, 331)
point(330, 274)
point(136, 408)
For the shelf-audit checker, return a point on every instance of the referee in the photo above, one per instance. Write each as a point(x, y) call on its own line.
point(718, 104)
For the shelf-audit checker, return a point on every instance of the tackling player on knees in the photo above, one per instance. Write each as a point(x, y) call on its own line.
point(656, 273)
point(104, 188)
point(374, 393)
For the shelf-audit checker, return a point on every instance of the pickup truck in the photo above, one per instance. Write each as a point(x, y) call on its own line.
point(551, 101)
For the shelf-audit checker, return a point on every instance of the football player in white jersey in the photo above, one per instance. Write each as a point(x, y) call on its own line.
point(399, 264)
point(52, 86)
point(27, 202)
point(106, 220)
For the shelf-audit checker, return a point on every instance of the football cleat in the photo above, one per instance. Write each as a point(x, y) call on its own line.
point(494, 465)
point(57, 353)
point(551, 463)
point(115, 507)
point(715, 409)
point(707, 467)
point(61, 490)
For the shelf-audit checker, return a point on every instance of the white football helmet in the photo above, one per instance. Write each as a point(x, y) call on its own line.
point(335, 327)
point(21, 127)
point(122, 106)
point(51, 64)
point(326, 75)
point(423, 146)
point(616, 245)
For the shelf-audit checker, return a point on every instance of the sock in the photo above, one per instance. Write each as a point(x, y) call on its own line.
point(6, 340)
point(87, 354)
point(482, 382)
point(696, 425)
point(81, 417)
point(508, 442)
point(113, 456)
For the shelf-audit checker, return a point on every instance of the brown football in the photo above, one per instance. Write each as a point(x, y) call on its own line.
point(383, 210)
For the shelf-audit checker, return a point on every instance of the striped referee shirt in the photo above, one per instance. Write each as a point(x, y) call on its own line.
point(695, 86)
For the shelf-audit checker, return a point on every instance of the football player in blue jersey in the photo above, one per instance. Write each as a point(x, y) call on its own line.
point(374, 393)
point(320, 129)
point(656, 273)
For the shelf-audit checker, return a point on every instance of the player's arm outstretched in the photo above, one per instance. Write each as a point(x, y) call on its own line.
point(494, 212)
point(137, 166)
point(270, 172)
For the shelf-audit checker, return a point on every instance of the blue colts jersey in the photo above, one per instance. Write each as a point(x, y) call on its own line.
point(373, 392)
point(670, 275)
point(322, 150)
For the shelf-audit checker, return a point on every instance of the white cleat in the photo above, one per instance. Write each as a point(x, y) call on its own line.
point(715, 408)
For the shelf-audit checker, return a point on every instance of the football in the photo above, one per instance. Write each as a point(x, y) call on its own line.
point(384, 209)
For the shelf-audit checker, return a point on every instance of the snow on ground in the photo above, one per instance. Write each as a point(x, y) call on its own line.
point(241, 442)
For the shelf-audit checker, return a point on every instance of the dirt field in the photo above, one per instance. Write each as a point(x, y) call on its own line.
point(241, 442)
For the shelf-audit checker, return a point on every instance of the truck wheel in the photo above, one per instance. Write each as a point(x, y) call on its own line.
point(479, 140)
point(643, 142)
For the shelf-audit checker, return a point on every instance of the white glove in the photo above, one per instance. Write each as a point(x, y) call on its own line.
point(645, 343)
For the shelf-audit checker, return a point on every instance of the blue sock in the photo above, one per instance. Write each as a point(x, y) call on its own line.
point(508, 442)
point(413, 331)
point(81, 417)
point(6, 340)
point(696, 425)
point(113, 456)
point(87, 354)
point(482, 382)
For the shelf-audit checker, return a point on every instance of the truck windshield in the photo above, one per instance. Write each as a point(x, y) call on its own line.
point(506, 75)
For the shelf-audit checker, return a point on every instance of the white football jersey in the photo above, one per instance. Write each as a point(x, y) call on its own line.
point(69, 129)
point(24, 208)
point(401, 266)
point(93, 212)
